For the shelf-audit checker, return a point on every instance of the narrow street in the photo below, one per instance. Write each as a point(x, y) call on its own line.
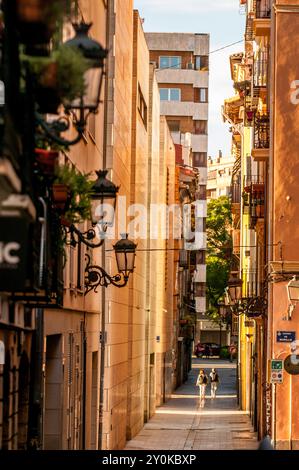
point(180, 424)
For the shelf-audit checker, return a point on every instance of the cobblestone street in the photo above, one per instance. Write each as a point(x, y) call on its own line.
point(182, 424)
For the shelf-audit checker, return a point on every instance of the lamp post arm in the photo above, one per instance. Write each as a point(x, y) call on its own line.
point(85, 237)
point(60, 125)
point(95, 277)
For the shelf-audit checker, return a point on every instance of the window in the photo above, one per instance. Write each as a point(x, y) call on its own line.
point(200, 158)
point(174, 62)
point(199, 289)
point(200, 95)
point(202, 62)
point(142, 108)
point(170, 94)
point(200, 127)
point(202, 193)
point(203, 95)
point(201, 257)
point(174, 126)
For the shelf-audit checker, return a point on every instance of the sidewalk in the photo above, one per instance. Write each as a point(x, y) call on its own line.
point(180, 424)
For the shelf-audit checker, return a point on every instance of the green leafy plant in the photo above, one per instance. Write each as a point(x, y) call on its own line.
point(219, 252)
point(80, 189)
point(64, 71)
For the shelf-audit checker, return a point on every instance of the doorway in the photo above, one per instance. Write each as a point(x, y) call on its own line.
point(53, 394)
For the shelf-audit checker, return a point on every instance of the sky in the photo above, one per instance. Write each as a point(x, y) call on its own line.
point(225, 22)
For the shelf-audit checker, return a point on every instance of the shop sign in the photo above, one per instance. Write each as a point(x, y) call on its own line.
point(291, 364)
point(285, 336)
point(13, 253)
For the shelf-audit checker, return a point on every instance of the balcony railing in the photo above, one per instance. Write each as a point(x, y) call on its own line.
point(260, 70)
point(262, 132)
point(235, 193)
point(263, 8)
point(254, 198)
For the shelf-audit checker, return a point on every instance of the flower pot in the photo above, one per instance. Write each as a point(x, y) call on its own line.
point(249, 115)
point(60, 195)
point(36, 21)
point(65, 222)
point(47, 160)
point(183, 322)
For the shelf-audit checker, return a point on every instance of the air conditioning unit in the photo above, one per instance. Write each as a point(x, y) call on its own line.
point(190, 66)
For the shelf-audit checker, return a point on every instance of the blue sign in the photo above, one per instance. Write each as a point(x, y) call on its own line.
point(286, 336)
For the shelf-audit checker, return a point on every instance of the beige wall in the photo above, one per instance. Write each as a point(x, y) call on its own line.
point(118, 159)
point(80, 317)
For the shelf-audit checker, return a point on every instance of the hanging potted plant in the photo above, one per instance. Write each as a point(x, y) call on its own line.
point(46, 160)
point(71, 193)
point(46, 156)
point(58, 78)
point(37, 19)
point(249, 115)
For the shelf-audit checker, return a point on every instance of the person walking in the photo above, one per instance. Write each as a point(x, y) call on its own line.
point(214, 379)
point(202, 381)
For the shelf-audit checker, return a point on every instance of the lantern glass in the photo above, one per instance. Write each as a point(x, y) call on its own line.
point(103, 211)
point(125, 252)
point(293, 290)
point(93, 85)
point(125, 262)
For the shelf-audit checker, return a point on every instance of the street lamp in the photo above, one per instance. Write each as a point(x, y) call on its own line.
point(293, 295)
point(87, 103)
point(235, 288)
point(125, 252)
point(103, 205)
point(96, 276)
point(103, 201)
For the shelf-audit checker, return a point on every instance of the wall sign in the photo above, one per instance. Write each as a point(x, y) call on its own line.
point(13, 253)
point(276, 371)
point(285, 336)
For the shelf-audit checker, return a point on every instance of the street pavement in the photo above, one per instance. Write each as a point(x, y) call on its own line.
point(181, 424)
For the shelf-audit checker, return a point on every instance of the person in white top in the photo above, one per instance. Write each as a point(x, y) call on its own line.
point(214, 379)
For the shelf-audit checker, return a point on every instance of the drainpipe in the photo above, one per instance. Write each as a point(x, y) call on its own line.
point(110, 12)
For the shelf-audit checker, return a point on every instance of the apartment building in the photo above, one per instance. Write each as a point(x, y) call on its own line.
point(219, 176)
point(182, 71)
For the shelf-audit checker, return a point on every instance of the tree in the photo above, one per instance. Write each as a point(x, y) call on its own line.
point(219, 251)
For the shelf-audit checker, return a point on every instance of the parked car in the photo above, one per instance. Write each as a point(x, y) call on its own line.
point(207, 349)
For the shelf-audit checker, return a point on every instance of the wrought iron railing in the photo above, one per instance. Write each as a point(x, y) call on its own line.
point(235, 192)
point(261, 132)
point(254, 198)
point(263, 8)
point(260, 70)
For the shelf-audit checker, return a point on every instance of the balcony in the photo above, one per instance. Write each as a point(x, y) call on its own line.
point(260, 70)
point(235, 196)
point(254, 199)
point(263, 9)
point(261, 24)
point(261, 138)
point(254, 295)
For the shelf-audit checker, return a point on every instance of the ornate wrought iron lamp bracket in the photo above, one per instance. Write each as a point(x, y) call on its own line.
point(96, 276)
point(84, 237)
